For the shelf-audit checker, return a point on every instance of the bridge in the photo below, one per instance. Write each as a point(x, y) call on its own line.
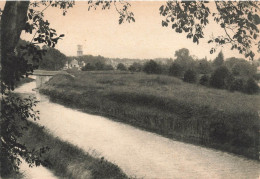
point(42, 76)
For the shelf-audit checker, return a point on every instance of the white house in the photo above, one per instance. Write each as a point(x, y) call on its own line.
point(73, 64)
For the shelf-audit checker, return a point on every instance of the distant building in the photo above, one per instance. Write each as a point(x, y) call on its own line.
point(74, 64)
point(80, 51)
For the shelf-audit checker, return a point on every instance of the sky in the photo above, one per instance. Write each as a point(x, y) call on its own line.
point(100, 33)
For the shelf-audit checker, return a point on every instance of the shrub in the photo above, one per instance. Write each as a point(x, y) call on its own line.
point(152, 67)
point(175, 70)
point(88, 67)
point(237, 85)
point(251, 86)
point(190, 76)
point(108, 67)
point(219, 77)
point(135, 67)
point(121, 67)
point(204, 80)
point(99, 66)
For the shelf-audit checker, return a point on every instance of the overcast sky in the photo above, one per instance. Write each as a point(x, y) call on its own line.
point(100, 34)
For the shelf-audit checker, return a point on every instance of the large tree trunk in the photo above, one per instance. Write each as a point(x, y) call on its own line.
point(13, 21)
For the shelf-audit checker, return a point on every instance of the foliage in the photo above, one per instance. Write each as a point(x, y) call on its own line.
point(121, 67)
point(16, 17)
point(230, 62)
point(152, 67)
point(52, 60)
point(108, 67)
point(98, 66)
point(184, 59)
point(244, 69)
point(239, 20)
point(237, 85)
point(204, 67)
point(190, 76)
point(88, 67)
point(167, 106)
point(219, 60)
point(16, 110)
point(251, 86)
point(204, 80)
point(219, 77)
point(135, 67)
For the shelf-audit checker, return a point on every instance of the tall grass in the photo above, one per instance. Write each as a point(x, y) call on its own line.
point(166, 105)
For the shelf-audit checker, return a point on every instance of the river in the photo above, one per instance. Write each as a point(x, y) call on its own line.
point(139, 153)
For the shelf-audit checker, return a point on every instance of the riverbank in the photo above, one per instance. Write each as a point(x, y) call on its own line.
point(167, 106)
point(66, 160)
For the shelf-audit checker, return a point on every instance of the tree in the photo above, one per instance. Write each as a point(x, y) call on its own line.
point(135, 67)
point(190, 76)
point(189, 17)
point(88, 67)
point(237, 85)
point(184, 59)
point(52, 60)
point(219, 77)
point(239, 21)
point(243, 69)
point(16, 17)
point(251, 86)
point(121, 67)
point(219, 60)
point(204, 80)
point(204, 66)
point(151, 67)
point(175, 70)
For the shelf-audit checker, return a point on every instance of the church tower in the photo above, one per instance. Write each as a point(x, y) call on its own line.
point(79, 51)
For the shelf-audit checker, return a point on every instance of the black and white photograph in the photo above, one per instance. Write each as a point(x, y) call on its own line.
point(124, 89)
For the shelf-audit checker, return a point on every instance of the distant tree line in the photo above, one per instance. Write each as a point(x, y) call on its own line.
point(234, 74)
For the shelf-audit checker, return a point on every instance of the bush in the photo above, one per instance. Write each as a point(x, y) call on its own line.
point(251, 86)
point(88, 67)
point(121, 67)
point(190, 76)
point(219, 77)
point(108, 67)
point(175, 70)
point(204, 80)
point(152, 67)
point(135, 67)
point(237, 85)
point(99, 66)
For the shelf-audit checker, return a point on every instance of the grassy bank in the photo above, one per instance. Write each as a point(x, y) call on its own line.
point(165, 105)
point(66, 160)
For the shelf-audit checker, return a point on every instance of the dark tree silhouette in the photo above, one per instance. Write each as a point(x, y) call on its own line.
point(219, 60)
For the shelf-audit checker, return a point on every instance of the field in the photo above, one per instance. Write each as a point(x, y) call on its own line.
point(165, 105)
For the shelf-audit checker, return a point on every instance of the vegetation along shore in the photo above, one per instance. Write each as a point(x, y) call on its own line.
point(166, 105)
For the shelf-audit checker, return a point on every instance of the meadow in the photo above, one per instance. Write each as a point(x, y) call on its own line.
point(165, 105)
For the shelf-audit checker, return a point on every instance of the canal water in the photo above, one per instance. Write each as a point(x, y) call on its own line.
point(139, 153)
